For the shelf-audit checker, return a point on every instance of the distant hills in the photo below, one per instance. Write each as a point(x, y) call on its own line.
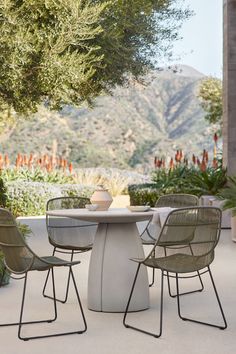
point(125, 130)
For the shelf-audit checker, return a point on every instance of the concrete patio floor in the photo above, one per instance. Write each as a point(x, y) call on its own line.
point(106, 334)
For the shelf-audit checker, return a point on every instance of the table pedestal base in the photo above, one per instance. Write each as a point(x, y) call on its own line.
point(111, 273)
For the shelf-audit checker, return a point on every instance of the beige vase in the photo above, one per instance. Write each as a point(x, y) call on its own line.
point(102, 198)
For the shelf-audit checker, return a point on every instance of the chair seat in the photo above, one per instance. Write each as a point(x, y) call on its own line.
point(71, 247)
point(38, 263)
point(148, 242)
point(177, 263)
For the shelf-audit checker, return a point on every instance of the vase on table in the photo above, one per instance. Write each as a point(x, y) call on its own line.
point(102, 198)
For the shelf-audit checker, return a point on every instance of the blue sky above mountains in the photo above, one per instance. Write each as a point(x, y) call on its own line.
point(201, 46)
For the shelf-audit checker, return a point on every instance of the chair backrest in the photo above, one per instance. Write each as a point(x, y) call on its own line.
point(177, 200)
point(68, 232)
point(168, 200)
point(194, 231)
point(17, 255)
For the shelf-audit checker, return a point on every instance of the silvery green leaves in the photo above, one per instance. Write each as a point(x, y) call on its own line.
point(69, 52)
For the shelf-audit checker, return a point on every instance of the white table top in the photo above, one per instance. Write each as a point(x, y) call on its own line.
point(121, 215)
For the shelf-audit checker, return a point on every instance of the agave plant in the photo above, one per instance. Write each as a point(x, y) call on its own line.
point(210, 181)
point(228, 194)
point(174, 180)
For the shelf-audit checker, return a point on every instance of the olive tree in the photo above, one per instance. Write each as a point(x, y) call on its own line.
point(210, 94)
point(60, 52)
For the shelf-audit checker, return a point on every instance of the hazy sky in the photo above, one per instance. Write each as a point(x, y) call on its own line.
point(201, 46)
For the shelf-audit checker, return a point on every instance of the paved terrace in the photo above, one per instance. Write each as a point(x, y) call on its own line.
point(106, 334)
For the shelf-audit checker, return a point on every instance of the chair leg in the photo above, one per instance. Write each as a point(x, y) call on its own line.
point(20, 323)
point(153, 278)
point(218, 300)
point(67, 286)
point(153, 272)
point(47, 277)
point(187, 292)
point(156, 335)
point(55, 309)
point(79, 301)
point(22, 310)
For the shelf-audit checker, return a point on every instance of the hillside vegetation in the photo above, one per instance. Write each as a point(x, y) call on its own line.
point(125, 130)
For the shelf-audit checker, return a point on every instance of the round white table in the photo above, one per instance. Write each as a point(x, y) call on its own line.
point(111, 272)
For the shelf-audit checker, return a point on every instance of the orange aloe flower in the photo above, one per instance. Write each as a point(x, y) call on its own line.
point(70, 167)
point(215, 138)
point(25, 160)
point(186, 161)
point(177, 156)
point(203, 166)
point(171, 163)
point(155, 161)
point(7, 161)
point(214, 163)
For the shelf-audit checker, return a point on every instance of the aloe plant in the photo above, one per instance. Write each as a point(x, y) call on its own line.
point(210, 181)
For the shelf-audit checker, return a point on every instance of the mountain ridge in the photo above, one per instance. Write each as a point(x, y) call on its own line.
point(125, 130)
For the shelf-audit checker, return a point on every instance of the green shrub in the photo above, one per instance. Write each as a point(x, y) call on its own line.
point(71, 190)
point(143, 194)
point(30, 198)
point(181, 179)
point(36, 174)
point(3, 197)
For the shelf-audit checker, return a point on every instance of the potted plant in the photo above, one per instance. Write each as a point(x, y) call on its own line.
point(228, 195)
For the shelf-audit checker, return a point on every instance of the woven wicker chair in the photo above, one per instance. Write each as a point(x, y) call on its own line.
point(148, 235)
point(68, 236)
point(168, 200)
point(20, 260)
point(196, 228)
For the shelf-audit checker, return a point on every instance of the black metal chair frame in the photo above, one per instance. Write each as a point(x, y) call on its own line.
point(45, 264)
point(68, 252)
point(21, 323)
point(168, 280)
point(152, 242)
point(178, 295)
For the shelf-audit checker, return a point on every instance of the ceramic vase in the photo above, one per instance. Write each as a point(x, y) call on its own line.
point(102, 198)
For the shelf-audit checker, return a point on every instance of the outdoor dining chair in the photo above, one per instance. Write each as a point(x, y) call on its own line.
point(68, 236)
point(149, 236)
point(20, 259)
point(168, 200)
point(196, 228)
